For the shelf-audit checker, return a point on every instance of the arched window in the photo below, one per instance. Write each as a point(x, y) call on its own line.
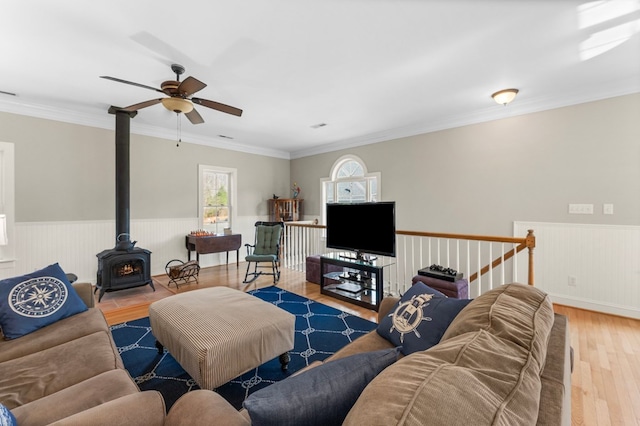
point(349, 182)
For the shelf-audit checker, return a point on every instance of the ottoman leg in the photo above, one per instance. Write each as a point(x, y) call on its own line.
point(159, 347)
point(285, 358)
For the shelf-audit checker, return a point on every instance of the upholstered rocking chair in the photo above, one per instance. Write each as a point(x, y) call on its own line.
point(266, 249)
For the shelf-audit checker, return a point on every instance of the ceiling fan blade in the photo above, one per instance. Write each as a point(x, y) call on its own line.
point(141, 105)
point(218, 106)
point(119, 80)
point(190, 86)
point(194, 117)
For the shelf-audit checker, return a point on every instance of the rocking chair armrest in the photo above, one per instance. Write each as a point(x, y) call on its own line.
point(250, 248)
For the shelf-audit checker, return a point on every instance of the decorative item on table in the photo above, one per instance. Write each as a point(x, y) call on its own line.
point(201, 233)
point(227, 231)
point(275, 197)
point(296, 190)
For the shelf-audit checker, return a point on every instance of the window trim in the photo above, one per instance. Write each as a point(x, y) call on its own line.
point(232, 191)
point(7, 202)
point(333, 177)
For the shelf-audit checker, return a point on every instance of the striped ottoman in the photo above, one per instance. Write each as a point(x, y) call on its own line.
point(219, 333)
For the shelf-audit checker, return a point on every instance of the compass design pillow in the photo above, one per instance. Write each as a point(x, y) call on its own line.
point(420, 318)
point(35, 300)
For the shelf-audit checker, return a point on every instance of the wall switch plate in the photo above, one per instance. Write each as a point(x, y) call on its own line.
point(580, 208)
point(572, 282)
point(607, 209)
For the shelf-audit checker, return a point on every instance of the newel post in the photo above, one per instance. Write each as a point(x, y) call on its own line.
point(530, 242)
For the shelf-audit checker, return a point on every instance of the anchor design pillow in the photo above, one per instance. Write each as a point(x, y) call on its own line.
point(420, 318)
point(35, 300)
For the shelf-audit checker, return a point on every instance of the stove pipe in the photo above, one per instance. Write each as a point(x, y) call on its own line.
point(123, 119)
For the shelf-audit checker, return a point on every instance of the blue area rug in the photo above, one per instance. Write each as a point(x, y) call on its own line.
point(320, 331)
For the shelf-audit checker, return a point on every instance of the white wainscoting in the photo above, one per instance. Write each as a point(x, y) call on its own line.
point(74, 245)
point(602, 260)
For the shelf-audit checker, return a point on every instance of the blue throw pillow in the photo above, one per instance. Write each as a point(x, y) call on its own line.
point(420, 318)
point(320, 396)
point(35, 300)
point(6, 417)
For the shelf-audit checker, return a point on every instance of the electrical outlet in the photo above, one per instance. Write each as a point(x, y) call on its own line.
point(572, 281)
point(607, 209)
point(580, 208)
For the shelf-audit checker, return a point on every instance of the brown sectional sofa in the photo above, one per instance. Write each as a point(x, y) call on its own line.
point(70, 373)
point(505, 359)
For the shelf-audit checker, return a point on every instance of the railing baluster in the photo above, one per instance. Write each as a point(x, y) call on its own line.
point(491, 270)
point(502, 273)
point(469, 263)
point(515, 268)
point(479, 265)
point(448, 251)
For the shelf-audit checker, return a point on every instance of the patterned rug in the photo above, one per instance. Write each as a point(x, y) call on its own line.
point(320, 331)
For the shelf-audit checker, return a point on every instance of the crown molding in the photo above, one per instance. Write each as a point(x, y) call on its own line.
point(495, 112)
point(95, 117)
point(101, 119)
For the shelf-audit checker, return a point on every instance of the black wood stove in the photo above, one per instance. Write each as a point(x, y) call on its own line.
point(124, 266)
point(119, 270)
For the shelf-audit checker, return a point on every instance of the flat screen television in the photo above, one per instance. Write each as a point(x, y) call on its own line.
point(363, 228)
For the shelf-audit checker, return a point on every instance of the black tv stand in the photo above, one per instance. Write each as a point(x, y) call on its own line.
point(359, 281)
point(359, 256)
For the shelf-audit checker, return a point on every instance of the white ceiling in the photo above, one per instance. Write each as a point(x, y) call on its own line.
point(371, 70)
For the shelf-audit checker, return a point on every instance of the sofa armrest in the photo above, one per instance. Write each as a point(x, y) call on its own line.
point(555, 394)
point(204, 407)
point(85, 291)
point(138, 409)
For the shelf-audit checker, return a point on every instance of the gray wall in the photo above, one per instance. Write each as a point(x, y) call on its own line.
point(480, 178)
point(472, 179)
point(66, 172)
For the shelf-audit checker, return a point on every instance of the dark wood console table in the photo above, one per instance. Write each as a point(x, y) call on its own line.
point(214, 244)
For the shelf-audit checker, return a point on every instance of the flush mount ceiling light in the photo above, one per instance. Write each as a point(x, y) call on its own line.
point(177, 105)
point(505, 96)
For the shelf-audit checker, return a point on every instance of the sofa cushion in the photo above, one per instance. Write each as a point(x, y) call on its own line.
point(320, 396)
point(6, 417)
point(205, 407)
point(35, 300)
point(420, 318)
point(60, 332)
point(82, 396)
point(489, 375)
point(37, 375)
point(516, 312)
point(137, 409)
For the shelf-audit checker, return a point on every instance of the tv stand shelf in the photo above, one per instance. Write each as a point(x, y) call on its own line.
point(346, 277)
point(360, 282)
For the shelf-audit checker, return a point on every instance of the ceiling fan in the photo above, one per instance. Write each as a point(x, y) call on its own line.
point(180, 99)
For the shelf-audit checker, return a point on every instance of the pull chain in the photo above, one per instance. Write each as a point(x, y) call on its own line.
point(178, 128)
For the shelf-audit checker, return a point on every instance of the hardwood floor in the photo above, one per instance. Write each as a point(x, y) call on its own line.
point(125, 305)
point(606, 376)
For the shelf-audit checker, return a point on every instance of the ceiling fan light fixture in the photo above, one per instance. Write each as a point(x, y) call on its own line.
point(177, 105)
point(505, 96)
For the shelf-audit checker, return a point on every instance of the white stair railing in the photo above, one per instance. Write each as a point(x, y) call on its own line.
point(473, 255)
